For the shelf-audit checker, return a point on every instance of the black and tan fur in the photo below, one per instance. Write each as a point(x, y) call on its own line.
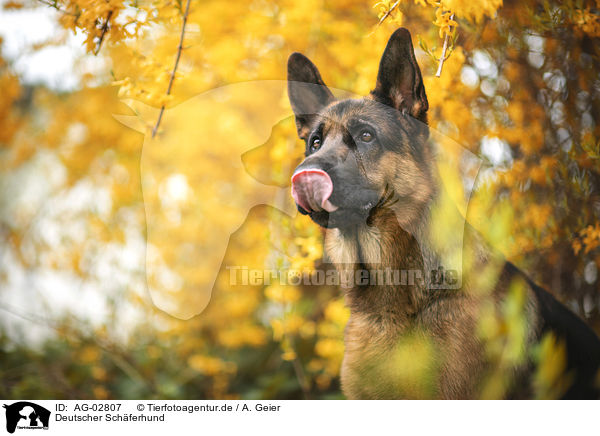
point(385, 189)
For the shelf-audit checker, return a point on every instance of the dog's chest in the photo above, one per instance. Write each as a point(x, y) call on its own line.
point(384, 360)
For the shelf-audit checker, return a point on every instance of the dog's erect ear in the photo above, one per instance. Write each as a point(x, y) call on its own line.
point(307, 91)
point(399, 81)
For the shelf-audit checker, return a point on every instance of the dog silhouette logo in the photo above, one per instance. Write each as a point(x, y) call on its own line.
point(211, 164)
point(26, 415)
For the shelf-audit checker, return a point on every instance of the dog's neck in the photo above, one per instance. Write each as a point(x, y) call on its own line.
point(388, 245)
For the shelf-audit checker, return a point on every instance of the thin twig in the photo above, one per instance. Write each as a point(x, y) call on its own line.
point(172, 79)
point(387, 14)
point(55, 6)
point(301, 377)
point(444, 48)
point(104, 30)
point(114, 355)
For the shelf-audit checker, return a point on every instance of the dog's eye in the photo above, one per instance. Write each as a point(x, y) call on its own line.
point(315, 143)
point(366, 136)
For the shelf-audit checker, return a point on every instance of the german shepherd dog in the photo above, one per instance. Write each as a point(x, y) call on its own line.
point(367, 178)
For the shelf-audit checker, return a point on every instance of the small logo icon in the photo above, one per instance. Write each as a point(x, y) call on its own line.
point(26, 415)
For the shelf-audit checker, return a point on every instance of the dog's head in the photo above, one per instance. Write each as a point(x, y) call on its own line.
point(362, 154)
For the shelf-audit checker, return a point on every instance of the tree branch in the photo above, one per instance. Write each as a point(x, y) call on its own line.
point(302, 381)
point(172, 79)
point(444, 48)
point(54, 4)
point(104, 30)
point(387, 14)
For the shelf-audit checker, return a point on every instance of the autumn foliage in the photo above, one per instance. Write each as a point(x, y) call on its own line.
point(83, 260)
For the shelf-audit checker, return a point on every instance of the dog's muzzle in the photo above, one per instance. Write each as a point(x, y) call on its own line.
point(311, 189)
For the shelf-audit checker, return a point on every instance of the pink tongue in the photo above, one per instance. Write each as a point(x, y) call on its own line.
point(311, 189)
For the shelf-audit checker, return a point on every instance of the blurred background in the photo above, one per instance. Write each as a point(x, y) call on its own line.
point(82, 260)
